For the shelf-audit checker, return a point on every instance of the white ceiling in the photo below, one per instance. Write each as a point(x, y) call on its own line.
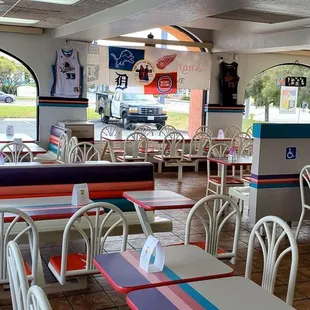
point(51, 15)
point(102, 19)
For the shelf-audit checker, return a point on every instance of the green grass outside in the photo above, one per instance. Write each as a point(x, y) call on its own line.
point(8, 111)
point(176, 119)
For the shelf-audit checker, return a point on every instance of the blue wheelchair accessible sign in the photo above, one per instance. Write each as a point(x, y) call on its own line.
point(290, 153)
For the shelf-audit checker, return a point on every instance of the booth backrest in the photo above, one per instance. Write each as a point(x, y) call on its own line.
point(106, 182)
point(56, 132)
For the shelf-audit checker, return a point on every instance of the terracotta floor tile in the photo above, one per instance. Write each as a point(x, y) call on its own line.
point(302, 304)
point(93, 301)
point(60, 304)
point(92, 287)
point(283, 276)
point(281, 291)
point(239, 268)
point(303, 288)
point(103, 282)
point(118, 299)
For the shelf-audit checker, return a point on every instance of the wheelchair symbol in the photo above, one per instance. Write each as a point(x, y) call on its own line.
point(291, 153)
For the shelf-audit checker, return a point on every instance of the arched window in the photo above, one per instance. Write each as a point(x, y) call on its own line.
point(19, 89)
point(269, 100)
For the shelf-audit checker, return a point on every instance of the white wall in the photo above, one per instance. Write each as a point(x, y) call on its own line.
point(39, 52)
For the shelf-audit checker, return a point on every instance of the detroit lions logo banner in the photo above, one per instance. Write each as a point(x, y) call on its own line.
point(148, 70)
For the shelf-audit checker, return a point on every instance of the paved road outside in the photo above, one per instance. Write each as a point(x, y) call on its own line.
point(21, 125)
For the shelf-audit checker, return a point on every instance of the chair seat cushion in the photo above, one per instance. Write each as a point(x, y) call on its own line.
point(49, 156)
point(74, 262)
point(27, 268)
point(247, 178)
point(130, 158)
point(229, 180)
point(115, 150)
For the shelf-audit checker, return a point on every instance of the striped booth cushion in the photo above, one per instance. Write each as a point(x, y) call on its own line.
point(106, 182)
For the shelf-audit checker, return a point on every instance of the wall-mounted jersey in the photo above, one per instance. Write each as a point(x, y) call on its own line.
point(228, 83)
point(67, 74)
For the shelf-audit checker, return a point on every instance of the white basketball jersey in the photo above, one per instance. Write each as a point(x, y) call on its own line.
point(67, 71)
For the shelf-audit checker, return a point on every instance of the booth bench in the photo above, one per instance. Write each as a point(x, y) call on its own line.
point(106, 182)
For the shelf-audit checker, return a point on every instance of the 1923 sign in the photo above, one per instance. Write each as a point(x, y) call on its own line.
point(295, 81)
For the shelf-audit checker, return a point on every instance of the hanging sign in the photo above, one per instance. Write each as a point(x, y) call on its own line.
point(296, 81)
point(288, 100)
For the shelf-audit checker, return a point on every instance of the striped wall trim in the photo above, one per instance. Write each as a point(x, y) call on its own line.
point(220, 109)
point(274, 181)
point(64, 102)
point(281, 131)
point(62, 105)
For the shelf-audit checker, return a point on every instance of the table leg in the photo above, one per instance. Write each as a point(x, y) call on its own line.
point(223, 179)
point(112, 154)
point(144, 221)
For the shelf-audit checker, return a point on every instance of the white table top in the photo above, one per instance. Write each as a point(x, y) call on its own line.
point(4, 138)
point(232, 293)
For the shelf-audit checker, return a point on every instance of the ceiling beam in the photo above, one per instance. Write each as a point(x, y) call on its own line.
point(21, 29)
point(207, 45)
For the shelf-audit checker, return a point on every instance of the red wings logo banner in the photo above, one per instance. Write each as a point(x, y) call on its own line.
point(165, 61)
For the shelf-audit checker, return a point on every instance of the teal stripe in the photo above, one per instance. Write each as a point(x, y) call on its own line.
point(205, 303)
point(281, 131)
point(275, 185)
point(52, 147)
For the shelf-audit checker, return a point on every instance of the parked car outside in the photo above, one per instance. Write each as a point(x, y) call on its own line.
point(8, 98)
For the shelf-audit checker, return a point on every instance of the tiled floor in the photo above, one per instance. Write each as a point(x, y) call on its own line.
point(100, 295)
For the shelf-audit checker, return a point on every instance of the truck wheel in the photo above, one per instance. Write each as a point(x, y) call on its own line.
point(104, 118)
point(125, 122)
point(159, 126)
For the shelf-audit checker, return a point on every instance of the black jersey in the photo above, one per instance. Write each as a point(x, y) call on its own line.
point(228, 83)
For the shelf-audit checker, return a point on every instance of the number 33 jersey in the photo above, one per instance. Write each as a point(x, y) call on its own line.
point(67, 74)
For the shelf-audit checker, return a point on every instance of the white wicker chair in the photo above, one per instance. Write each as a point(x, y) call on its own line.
point(82, 152)
point(110, 131)
point(218, 150)
point(198, 148)
point(278, 235)
point(80, 265)
point(165, 130)
point(37, 300)
point(17, 276)
point(14, 225)
point(304, 179)
point(230, 132)
point(172, 152)
point(204, 129)
point(15, 152)
point(214, 208)
point(135, 148)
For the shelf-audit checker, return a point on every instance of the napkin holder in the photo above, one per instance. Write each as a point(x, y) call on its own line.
point(10, 130)
point(152, 245)
point(80, 195)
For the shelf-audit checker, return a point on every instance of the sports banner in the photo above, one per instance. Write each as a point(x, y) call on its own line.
point(147, 70)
